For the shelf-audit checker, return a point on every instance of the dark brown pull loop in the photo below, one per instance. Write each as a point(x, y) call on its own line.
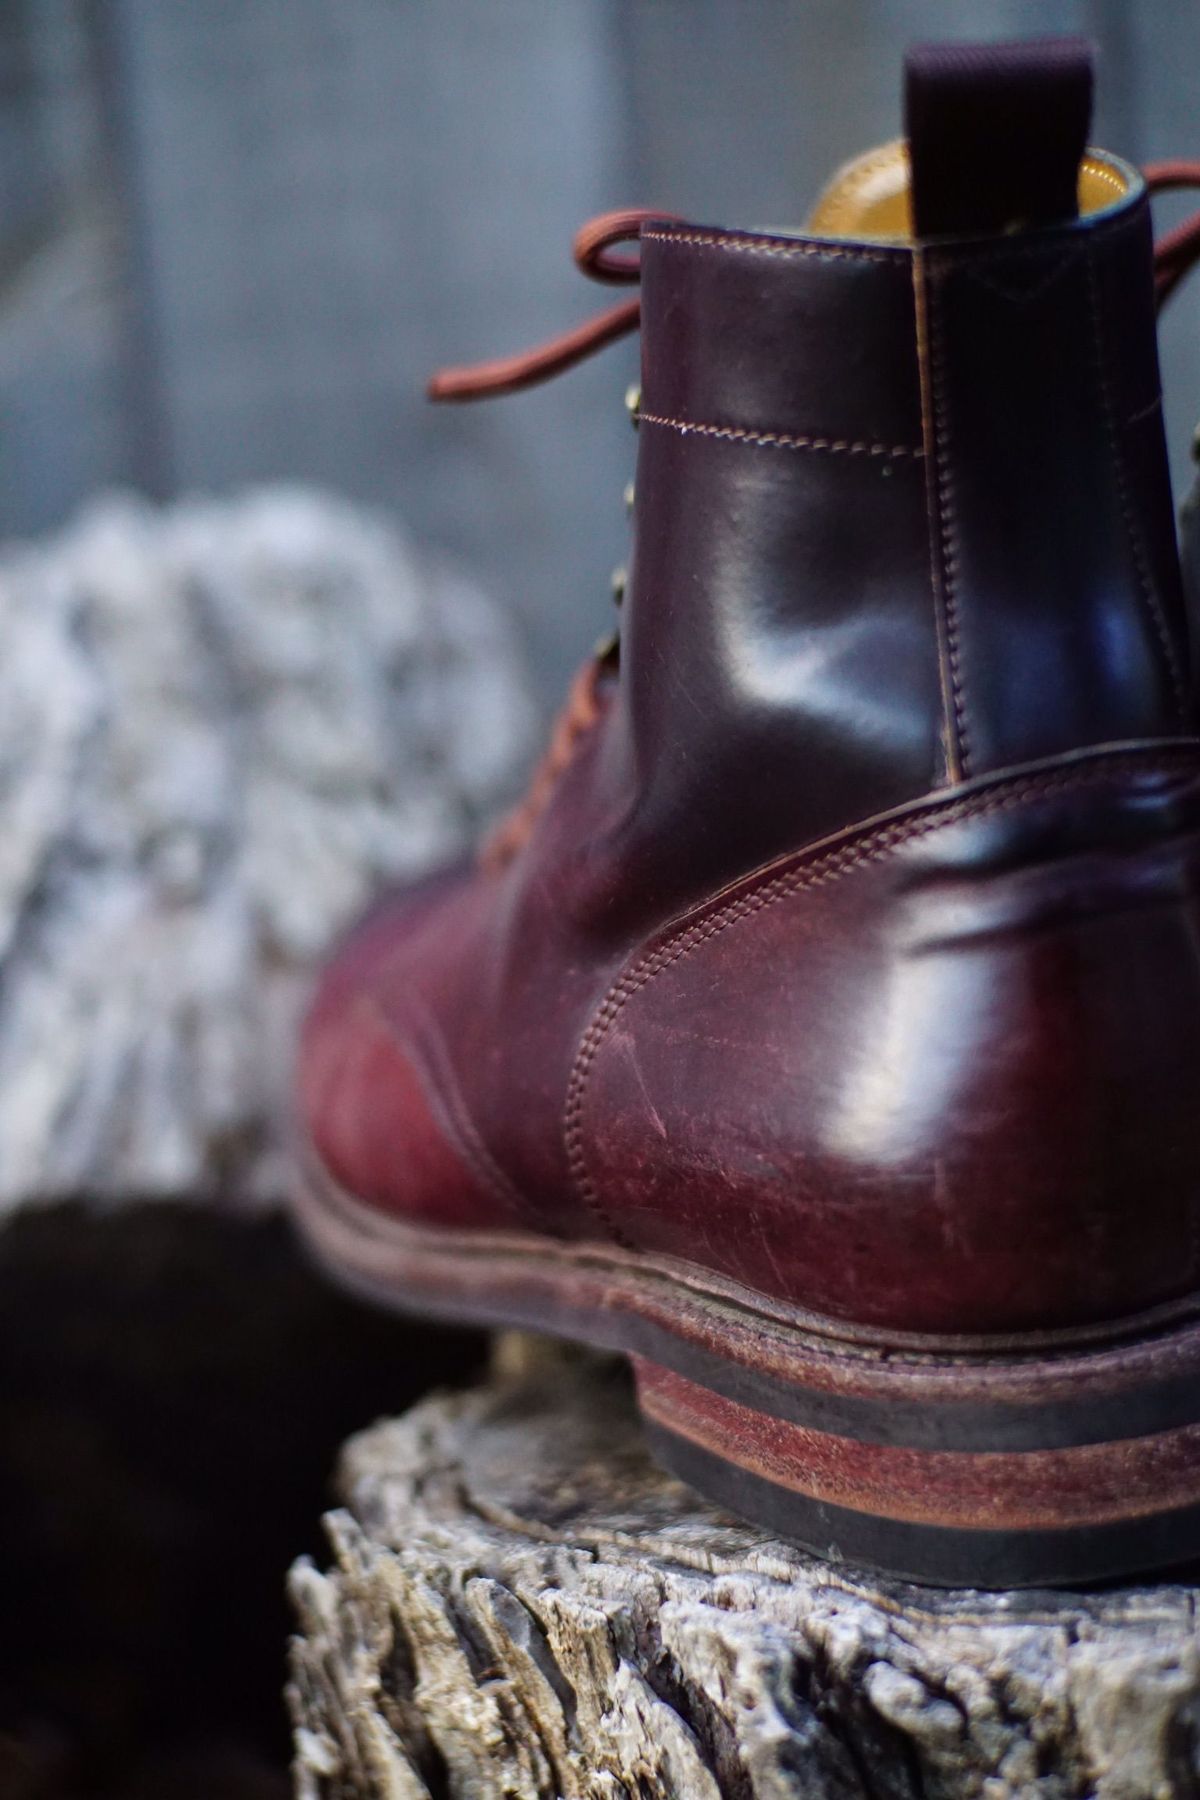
point(593, 256)
point(996, 133)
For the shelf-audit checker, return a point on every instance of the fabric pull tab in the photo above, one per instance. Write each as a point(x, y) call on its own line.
point(996, 133)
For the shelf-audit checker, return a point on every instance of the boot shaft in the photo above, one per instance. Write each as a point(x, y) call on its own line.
point(903, 514)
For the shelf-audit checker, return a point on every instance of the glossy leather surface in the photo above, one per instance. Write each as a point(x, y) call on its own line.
point(779, 643)
point(1053, 513)
point(942, 1075)
point(906, 591)
point(996, 132)
point(902, 522)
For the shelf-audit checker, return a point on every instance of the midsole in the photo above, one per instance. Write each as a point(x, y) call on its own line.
point(1056, 1394)
point(947, 1556)
point(1031, 1490)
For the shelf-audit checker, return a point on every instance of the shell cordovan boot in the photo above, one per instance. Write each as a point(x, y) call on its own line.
point(823, 1031)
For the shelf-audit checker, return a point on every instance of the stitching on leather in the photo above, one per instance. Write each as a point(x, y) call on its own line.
point(1137, 548)
point(1020, 296)
point(921, 336)
point(450, 1111)
point(947, 517)
point(824, 871)
point(752, 246)
point(1060, 240)
point(895, 253)
point(1102, 174)
point(835, 208)
point(1144, 412)
point(780, 440)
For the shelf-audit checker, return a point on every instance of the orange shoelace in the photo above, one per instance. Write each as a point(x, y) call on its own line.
point(595, 254)
point(579, 713)
point(1176, 251)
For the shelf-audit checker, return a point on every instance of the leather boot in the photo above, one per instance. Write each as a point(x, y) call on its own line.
point(824, 1030)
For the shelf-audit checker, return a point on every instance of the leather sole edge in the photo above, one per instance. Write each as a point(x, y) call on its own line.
point(995, 1559)
point(926, 1488)
point(906, 1467)
point(1076, 1394)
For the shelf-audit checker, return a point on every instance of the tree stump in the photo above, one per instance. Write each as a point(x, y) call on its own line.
point(223, 726)
point(522, 1604)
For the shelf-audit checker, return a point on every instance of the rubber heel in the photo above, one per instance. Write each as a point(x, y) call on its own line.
point(989, 1473)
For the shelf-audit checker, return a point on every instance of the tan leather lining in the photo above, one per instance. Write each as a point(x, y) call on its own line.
point(869, 197)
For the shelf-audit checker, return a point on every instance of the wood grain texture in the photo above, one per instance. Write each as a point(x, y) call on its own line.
point(522, 1605)
point(223, 725)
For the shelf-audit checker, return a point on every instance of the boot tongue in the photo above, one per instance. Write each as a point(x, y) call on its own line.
point(996, 141)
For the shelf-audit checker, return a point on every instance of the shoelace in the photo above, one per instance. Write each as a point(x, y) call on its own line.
point(1176, 251)
point(595, 254)
point(578, 714)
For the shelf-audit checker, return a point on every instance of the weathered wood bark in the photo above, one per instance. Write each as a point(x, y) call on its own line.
point(222, 725)
point(522, 1604)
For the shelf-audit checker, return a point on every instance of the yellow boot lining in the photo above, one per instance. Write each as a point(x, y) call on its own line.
point(870, 196)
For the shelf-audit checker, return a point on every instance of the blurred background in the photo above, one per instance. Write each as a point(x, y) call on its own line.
point(236, 236)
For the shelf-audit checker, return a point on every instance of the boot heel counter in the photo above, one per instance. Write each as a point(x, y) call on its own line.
point(943, 1075)
point(1056, 574)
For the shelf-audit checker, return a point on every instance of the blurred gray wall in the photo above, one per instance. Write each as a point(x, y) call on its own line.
point(236, 235)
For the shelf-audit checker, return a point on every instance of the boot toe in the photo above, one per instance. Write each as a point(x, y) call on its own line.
point(358, 1093)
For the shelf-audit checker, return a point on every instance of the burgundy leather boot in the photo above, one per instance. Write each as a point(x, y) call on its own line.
point(825, 1030)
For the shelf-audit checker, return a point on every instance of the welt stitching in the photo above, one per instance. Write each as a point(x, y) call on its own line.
point(947, 519)
point(823, 872)
point(1137, 549)
point(780, 440)
point(751, 246)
